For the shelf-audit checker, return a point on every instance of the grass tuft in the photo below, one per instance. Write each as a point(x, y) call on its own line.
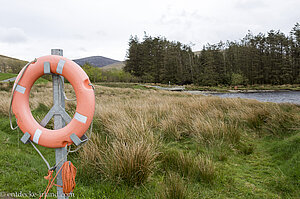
point(131, 163)
point(199, 168)
point(173, 187)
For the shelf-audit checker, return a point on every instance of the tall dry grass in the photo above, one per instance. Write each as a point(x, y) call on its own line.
point(40, 94)
point(195, 167)
point(132, 119)
point(4, 102)
point(132, 125)
point(173, 187)
point(178, 115)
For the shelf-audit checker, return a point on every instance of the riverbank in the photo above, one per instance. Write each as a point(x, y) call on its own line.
point(248, 88)
point(149, 143)
point(233, 89)
point(204, 89)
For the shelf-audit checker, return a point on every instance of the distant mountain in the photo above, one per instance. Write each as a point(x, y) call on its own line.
point(97, 61)
point(13, 65)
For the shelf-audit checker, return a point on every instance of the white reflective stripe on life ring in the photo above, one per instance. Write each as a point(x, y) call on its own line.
point(20, 89)
point(37, 135)
point(60, 66)
point(47, 68)
point(80, 118)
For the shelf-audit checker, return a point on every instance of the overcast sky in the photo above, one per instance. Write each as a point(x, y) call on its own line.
point(30, 28)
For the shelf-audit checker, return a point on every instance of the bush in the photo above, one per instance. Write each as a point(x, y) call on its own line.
point(238, 79)
point(114, 75)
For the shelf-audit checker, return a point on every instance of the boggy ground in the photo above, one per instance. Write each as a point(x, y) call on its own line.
point(160, 144)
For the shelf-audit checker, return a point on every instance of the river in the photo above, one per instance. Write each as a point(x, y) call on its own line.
point(268, 96)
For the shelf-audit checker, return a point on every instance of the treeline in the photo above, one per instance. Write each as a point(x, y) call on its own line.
point(113, 75)
point(272, 58)
point(158, 60)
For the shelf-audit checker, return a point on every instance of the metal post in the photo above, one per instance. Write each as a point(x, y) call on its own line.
point(58, 99)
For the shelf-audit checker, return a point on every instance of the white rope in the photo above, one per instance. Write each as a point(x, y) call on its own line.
point(69, 150)
point(84, 143)
point(10, 113)
point(47, 163)
point(62, 159)
point(12, 95)
point(65, 96)
point(91, 130)
point(38, 151)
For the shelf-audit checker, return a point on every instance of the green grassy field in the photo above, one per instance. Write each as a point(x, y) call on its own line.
point(4, 76)
point(159, 144)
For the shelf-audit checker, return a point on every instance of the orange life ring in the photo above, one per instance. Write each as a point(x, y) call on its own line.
point(84, 95)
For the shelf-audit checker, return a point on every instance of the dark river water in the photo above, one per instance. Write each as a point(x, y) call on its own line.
point(271, 96)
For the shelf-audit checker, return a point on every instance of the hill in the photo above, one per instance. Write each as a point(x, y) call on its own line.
point(97, 61)
point(118, 65)
point(11, 65)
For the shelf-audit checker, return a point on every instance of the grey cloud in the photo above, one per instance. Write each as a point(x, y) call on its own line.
point(78, 36)
point(249, 4)
point(184, 18)
point(100, 27)
point(82, 49)
point(170, 20)
point(101, 33)
point(12, 35)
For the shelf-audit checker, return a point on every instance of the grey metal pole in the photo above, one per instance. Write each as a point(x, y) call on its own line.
point(58, 98)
